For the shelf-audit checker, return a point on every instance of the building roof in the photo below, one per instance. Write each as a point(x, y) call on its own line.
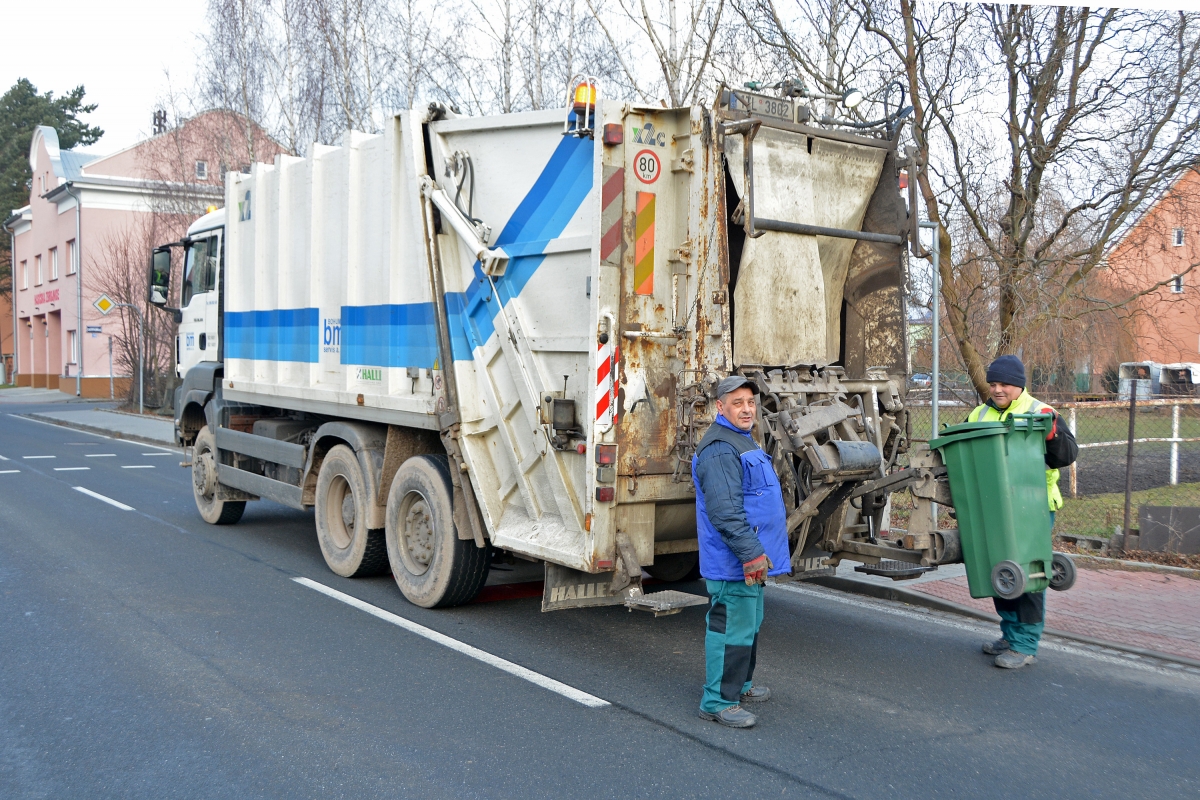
point(65, 163)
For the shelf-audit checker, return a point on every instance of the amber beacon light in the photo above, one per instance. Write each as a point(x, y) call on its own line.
point(580, 117)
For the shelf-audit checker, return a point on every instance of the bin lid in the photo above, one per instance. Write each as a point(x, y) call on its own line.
point(971, 430)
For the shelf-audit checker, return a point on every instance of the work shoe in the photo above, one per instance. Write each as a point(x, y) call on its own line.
point(997, 647)
point(732, 717)
point(1011, 659)
point(757, 694)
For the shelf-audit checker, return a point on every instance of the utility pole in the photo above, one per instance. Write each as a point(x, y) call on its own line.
point(141, 354)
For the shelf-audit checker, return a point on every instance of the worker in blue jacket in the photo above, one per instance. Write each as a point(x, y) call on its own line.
point(742, 527)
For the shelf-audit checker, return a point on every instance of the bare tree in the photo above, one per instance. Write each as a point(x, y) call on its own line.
point(1044, 133)
point(683, 48)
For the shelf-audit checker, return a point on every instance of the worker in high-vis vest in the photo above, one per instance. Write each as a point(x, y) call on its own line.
point(1022, 619)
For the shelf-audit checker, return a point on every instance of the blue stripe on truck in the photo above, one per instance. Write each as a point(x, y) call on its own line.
point(283, 334)
point(404, 335)
point(389, 335)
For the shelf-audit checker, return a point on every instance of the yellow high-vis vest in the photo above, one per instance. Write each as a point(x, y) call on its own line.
point(1025, 404)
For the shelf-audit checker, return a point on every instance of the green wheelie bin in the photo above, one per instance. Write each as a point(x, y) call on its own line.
point(997, 475)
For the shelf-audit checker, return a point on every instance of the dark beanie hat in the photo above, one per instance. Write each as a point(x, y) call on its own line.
point(1007, 369)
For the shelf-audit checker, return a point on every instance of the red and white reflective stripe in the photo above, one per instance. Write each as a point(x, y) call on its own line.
point(606, 365)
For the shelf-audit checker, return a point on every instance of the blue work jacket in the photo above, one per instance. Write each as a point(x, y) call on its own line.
point(739, 505)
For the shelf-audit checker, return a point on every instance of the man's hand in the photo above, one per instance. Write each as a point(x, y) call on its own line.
point(1053, 422)
point(756, 570)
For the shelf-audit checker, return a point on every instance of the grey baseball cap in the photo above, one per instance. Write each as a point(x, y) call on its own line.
point(733, 382)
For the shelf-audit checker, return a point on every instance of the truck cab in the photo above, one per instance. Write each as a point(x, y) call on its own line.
point(202, 259)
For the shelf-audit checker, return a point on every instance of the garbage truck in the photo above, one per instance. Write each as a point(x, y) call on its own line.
point(464, 338)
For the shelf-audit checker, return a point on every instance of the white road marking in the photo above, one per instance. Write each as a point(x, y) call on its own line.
point(2, 458)
point(99, 455)
point(570, 692)
point(31, 457)
point(162, 453)
point(8, 471)
point(138, 466)
point(102, 498)
point(70, 469)
point(946, 619)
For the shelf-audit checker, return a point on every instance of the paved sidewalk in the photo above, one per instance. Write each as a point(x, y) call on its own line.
point(1148, 610)
point(156, 430)
point(25, 394)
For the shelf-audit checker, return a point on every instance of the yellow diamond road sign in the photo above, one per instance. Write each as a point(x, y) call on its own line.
point(104, 304)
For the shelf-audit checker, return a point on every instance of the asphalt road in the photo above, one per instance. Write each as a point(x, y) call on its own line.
point(146, 654)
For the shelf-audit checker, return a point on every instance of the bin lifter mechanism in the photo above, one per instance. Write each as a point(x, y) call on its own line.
point(833, 442)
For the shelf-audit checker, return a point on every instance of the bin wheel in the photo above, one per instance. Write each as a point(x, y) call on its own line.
point(1062, 572)
point(1008, 580)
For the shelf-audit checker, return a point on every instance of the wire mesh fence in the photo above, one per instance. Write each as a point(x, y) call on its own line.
point(1165, 465)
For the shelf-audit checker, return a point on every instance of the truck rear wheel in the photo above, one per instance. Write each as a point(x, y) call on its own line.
point(212, 508)
point(432, 566)
point(350, 548)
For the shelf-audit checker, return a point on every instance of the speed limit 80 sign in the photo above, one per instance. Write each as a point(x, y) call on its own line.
point(647, 166)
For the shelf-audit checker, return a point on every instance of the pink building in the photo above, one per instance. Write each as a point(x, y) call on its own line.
point(88, 230)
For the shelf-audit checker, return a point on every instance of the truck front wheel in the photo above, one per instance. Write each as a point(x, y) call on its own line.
point(212, 508)
point(350, 548)
point(432, 566)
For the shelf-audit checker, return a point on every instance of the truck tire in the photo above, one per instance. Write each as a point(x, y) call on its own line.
point(431, 565)
point(213, 509)
point(350, 548)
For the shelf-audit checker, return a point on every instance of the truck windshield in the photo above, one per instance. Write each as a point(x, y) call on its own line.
point(200, 270)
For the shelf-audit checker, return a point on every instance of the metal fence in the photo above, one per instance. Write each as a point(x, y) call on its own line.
point(1165, 464)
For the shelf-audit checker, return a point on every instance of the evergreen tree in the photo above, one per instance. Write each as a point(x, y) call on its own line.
point(21, 110)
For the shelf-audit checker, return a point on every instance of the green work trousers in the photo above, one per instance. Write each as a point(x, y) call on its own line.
point(735, 613)
point(1022, 619)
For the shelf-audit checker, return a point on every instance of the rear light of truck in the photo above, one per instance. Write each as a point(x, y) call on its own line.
point(606, 454)
point(614, 133)
point(605, 494)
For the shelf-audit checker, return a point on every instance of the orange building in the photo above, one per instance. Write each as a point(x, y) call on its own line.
point(1161, 253)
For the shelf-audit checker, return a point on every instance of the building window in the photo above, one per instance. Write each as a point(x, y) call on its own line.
point(71, 257)
point(24, 274)
point(74, 345)
point(37, 270)
point(1177, 284)
point(53, 263)
point(201, 170)
point(1177, 238)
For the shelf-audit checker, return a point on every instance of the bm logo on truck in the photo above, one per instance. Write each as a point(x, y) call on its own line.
point(331, 335)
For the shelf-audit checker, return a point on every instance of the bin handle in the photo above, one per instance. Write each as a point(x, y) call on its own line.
point(1009, 422)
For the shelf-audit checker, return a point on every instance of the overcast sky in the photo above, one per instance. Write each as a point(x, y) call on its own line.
point(122, 50)
point(119, 50)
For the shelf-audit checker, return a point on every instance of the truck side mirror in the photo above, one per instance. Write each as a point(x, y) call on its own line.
point(160, 277)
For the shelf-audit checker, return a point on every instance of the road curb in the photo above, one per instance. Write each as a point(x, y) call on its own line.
point(1100, 562)
point(938, 604)
point(79, 426)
